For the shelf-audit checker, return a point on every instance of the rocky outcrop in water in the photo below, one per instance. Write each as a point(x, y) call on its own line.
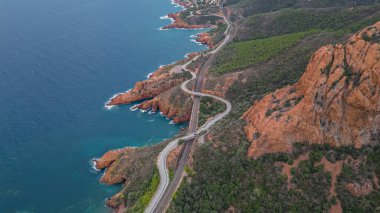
point(164, 87)
point(178, 22)
point(206, 39)
point(336, 101)
point(158, 83)
point(174, 104)
point(109, 157)
point(130, 167)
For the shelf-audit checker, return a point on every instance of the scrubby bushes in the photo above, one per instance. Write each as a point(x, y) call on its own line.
point(209, 107)
point(250, 7)
point(147, 193)
point(360, 173)
point(225, 176)
point(240, 55)
point(298, 20)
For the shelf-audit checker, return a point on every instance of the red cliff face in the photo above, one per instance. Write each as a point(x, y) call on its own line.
point(164, 87)
point(155, 85)
point(183, 3)
point(129, 166)
point(174, 104)
point(179, 23)
point(109, 157)
point(336, 101)
point(206, 39)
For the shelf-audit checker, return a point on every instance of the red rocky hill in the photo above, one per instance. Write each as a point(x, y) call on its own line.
point(336, 101)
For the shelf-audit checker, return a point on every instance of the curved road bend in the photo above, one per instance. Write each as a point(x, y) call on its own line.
point(165, 191)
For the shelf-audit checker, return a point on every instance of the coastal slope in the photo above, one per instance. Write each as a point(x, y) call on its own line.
point(294, 141)
point(336, 101)
point(160, 92)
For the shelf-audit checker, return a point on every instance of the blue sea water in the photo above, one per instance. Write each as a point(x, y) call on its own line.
point(60, 61)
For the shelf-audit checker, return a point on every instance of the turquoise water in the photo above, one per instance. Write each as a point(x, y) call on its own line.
point(60, 61)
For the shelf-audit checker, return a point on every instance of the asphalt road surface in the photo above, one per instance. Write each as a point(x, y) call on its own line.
point(161, 200)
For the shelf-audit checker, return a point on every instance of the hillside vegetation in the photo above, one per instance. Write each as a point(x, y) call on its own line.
point(209, 107)
point(299, 20)
point(272, 46)
point(225, 177)
point(251, 7)
point(240, 55)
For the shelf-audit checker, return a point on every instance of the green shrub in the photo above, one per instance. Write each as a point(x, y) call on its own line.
point(240, 55)
point(293, 171)
point(209, 107)
point(292, 20)
point(144, 200)
point(268, 112)
point(316, 156)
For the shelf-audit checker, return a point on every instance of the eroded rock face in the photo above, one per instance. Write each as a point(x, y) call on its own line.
point(130, 167)
point(109, 157)
point(169, 105)
point(181, 24)
point(164, 87)
point(206, 39)
point(158, 83)
point(114, 201)
point(336, 101)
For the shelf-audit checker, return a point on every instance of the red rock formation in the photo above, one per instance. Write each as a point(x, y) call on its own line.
point(164, 87)
point(192, 55)
point(113, 175)
point(178, 110)
point(206, 39)
point(114, 201)
point(171, 160)
point(183, 3)
point(181, 24)
point(109, 157)
point(168, 110)
point(129, 166)
point(336, 101)
point(149, 88)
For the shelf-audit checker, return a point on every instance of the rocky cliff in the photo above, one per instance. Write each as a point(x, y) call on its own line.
point(336, 101)
point(109, 157)
point(206, 39)
point(157, 83)
point(174, 104)
point(179, 23)
point(129, 166)
point(164, 87)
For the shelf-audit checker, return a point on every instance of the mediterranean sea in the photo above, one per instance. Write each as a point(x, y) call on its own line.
point(60, 61)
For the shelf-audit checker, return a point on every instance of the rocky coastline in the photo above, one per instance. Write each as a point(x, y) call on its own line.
point(159, 92)
point(179, 23)
point(335, 102)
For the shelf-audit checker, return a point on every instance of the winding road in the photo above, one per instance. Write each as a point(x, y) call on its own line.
point(165, 190)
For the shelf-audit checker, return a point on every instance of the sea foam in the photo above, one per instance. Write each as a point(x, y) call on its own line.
point(109, 107)
point(93, 165)
point(197, 42)
point(134, 107)
point(149, 74)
